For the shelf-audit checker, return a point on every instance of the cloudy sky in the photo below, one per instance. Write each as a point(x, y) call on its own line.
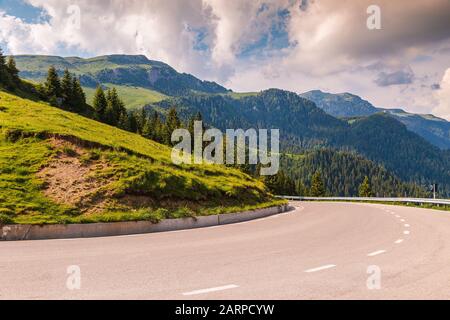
point(251, 45)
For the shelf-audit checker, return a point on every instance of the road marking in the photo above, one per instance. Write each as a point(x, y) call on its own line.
point(402, 220)
point(406, 225)
point(406, 232)
point(397, 216)
point(399, 241)
point(201, 291)
point(376, 253)
point(328, 266)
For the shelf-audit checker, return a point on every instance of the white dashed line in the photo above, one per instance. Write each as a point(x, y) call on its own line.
point(406, 225)
point(328, 266)
point(228, 287)
point(406, 232)
point(397, 216)
point(376, 253)
point(402, 220)
point(399, 241)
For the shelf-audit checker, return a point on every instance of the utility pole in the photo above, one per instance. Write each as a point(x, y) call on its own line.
point(435, 186)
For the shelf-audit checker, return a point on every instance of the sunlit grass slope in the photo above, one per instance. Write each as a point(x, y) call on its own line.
point(117, 175)
point(133, 97)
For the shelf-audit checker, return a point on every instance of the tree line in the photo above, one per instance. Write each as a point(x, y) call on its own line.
point(328, 172)
point(150, 124)
point(9, 74)
point(65, 93)
point(283, 184)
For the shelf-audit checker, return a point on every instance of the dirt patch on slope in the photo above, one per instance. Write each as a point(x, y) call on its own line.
point(69, 181)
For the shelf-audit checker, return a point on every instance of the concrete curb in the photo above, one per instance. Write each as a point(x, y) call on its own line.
point(67, 231)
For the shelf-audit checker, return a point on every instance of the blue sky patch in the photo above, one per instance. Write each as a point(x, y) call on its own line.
point(23, 10)
point(275, 39)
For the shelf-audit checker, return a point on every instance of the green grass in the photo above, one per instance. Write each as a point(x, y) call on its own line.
point(136, 167)
point(133, 97)
point(39, 63)
point(239, 95)
point(21, 198)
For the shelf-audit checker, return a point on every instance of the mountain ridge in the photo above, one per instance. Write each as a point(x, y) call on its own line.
point(379, 137)
point(434, 129)
point(131, 70)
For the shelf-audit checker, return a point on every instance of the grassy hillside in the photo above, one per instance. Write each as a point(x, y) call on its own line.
point(133, 97)
point(59, 167)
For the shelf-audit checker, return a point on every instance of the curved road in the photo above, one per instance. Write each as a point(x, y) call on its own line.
point(318, 251)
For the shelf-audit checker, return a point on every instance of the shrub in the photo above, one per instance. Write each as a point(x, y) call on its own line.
point(5, 219)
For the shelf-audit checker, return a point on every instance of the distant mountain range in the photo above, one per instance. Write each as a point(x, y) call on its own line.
point(340, 105)
point(403, 143)
point(345, 105)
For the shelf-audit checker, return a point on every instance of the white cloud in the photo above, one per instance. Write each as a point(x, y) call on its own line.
point(443, 97)
point(332, 48)
point(160, 29)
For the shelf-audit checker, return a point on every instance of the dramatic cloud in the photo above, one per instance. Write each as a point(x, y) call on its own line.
point(333, 34)
point(163, 30)
point(255, 44)
point(443, 96)
point(398, 77)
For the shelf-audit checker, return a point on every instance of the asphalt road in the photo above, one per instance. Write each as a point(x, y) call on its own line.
point(318, 251)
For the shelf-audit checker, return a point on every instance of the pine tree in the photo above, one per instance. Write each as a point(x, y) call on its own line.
point(13, 71)
point(124, 122)
point(132, 123)
point(142, 119)
point(79, 97)
point(2, 59)
point(67, 91)
point(300, 188)
point(53, 87)
point(155, 126)
point(317, 185)
point(109, 116)
point(196, 117)
point(147, 130)
point(364, 189)
point(172, 123)
point(5, 77)
point(100, 103)
point(116, 105)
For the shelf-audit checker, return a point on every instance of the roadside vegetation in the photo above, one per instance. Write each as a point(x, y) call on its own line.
point(65, 161)
point(60, 167)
